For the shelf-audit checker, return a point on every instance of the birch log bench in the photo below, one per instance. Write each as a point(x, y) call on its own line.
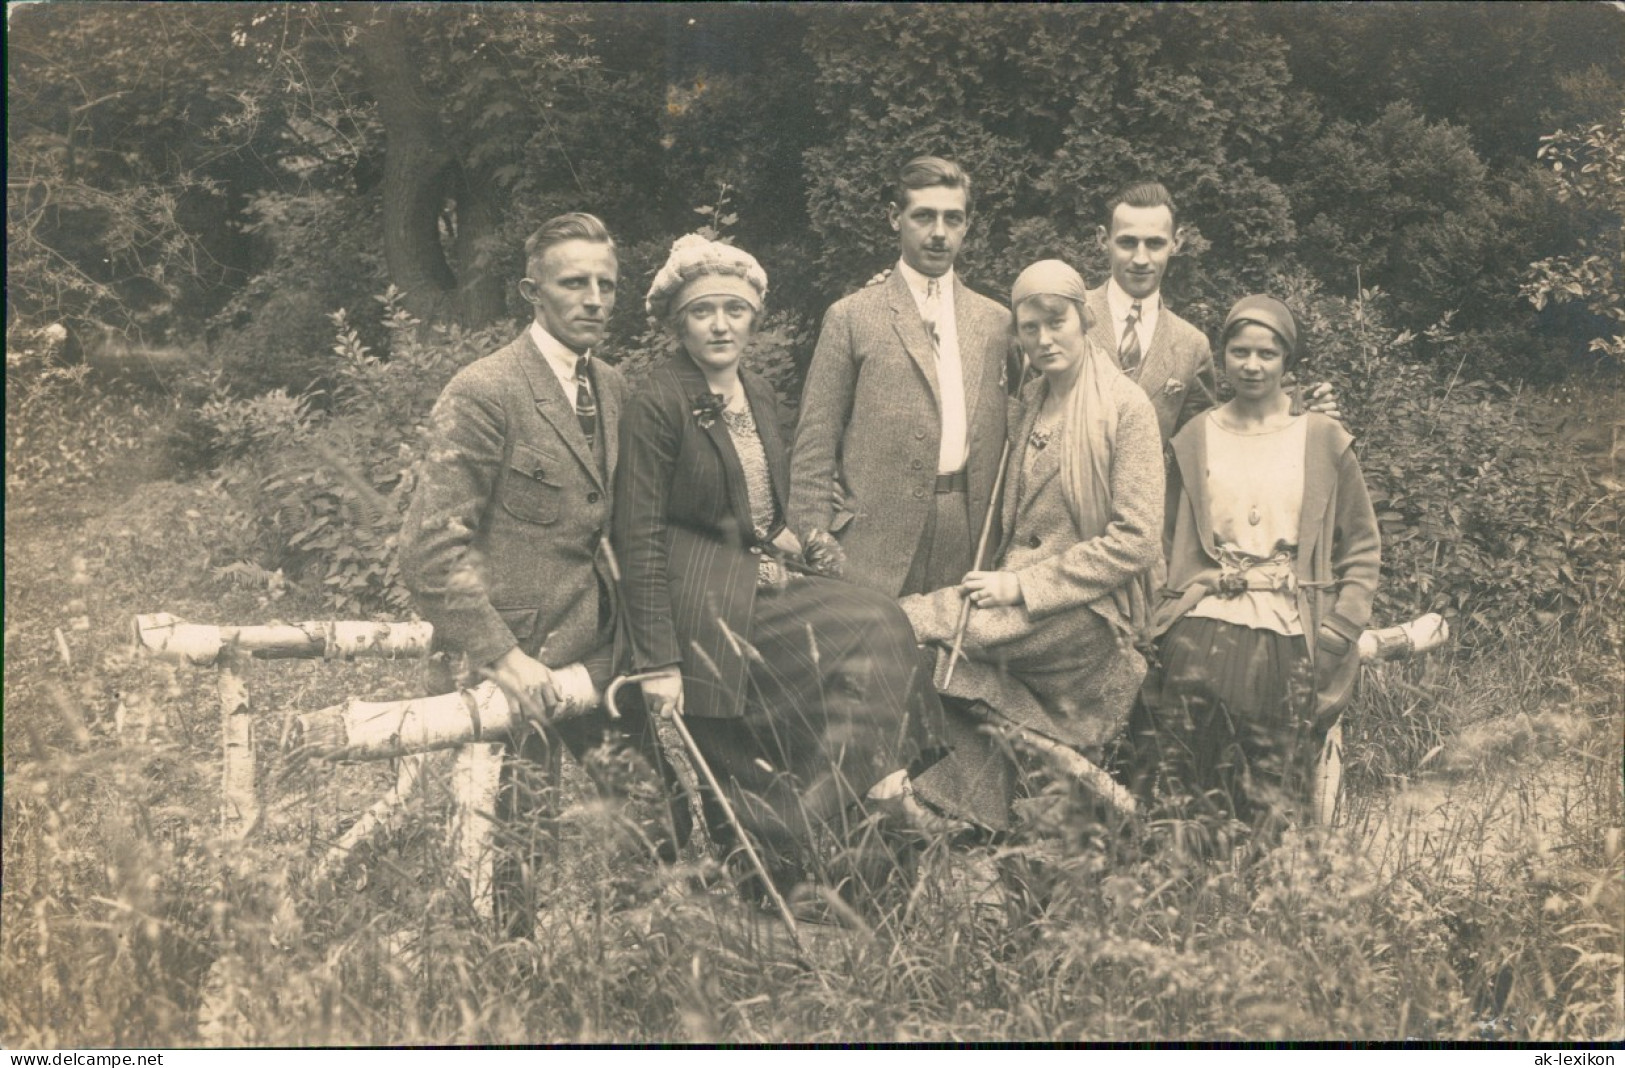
point(476, 722)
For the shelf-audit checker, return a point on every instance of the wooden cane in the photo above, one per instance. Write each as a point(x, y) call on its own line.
point(976, 565)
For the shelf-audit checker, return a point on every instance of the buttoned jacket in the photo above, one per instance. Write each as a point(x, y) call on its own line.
point(871, 415)
point(503, 541)
point(684, 536)
point(1176, 371)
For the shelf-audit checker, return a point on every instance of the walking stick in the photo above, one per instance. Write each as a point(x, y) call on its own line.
point(976, 565)
point(680, 758)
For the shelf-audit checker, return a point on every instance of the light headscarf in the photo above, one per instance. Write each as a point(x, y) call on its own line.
point(1089, 421)
point(1088, 429)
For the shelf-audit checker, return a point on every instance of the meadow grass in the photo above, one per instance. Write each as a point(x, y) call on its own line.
point(1473, 889)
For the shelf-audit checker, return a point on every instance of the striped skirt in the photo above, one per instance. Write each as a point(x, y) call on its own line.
point(1226, 727)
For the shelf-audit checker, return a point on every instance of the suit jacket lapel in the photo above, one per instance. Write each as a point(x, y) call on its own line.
point(609, 420)
point(973, 351)
point(1190, 452)
point(1154, 368)
point(553, 406)
point(693, 383)
point(911, 331)
point(1100, 327)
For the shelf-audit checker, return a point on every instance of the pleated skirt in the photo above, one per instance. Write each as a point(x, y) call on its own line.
point(1226, 725)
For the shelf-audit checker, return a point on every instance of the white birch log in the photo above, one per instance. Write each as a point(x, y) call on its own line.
point(1076, 766)
point(239, 793)
point(475, 776)
point(1420, 635)
point(384, 730)
point(384, 814)
point(1328, 785)
point(163, 636)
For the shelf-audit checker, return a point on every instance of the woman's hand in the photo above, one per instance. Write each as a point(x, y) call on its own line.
point(786, 542)
point(664, 691)
point(991, 589)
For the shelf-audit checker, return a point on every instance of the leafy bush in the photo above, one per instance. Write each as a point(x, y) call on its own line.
point(1408, 202)
point(328, 489)
point(1589, 171)
point(62, 427)
point(1047, 133)
point(1485, 517)
point(276, 331)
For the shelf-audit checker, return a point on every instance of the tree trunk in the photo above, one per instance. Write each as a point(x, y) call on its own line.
point(481, 292)
point(421, 173)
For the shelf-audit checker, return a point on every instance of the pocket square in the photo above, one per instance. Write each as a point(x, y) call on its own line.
point(1174, 387)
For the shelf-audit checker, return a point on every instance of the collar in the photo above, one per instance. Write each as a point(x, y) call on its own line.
point(560, 357)
point(1118, 302)
point(917, 281)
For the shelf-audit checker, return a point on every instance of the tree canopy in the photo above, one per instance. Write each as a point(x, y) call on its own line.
point(236, 172)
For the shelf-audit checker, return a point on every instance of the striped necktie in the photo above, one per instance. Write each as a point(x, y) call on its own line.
point(586, 406)
point(1128, 350)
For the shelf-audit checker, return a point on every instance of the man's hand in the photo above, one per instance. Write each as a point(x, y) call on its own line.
point(879, 279)
point(664, 691)
point(1323, 399)
point(991, 589)
point(528, 680)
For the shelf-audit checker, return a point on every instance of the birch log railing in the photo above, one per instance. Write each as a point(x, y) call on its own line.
point(359, 730)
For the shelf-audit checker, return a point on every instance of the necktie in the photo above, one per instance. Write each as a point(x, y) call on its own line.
point(586, 407)
point(1128, 350)
point(933, 303)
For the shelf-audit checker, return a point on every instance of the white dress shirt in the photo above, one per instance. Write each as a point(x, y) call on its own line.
point(561, 359)
point(952, 450)
point(1120, 304)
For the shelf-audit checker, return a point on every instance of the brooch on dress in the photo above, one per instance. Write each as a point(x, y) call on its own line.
point(707, 406)
point(1040, 438)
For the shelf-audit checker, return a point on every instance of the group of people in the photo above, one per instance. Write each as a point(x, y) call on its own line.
point(1032, 529)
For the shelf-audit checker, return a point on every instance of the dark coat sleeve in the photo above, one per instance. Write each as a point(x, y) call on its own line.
point(643, 480)
point(1203, 389)
point(1356, 551)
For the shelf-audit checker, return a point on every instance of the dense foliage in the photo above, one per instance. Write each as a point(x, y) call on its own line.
point(244, 185)
point(270, 162)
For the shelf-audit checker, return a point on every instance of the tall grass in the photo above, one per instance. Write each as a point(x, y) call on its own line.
point(1474, 889)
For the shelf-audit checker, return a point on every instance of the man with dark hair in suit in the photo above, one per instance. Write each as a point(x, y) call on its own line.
point(502, 546)
point(1167, 356)
point(904, 405)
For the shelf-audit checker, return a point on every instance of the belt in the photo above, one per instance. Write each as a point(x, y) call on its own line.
point(954, 483)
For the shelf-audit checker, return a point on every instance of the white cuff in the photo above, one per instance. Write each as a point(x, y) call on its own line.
point(577, 695)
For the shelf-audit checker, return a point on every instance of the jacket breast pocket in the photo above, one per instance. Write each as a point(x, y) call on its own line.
point(533, 491)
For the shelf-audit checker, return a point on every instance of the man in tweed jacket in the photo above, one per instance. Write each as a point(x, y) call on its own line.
point(502, 546)
point(1169, 358)
point(904, 405)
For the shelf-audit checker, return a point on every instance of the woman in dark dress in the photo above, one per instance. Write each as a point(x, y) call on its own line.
point(796, 687)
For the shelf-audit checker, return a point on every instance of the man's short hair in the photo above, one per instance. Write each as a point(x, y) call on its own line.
point(923, 172)
point(1142, 195)
point(573, 226)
